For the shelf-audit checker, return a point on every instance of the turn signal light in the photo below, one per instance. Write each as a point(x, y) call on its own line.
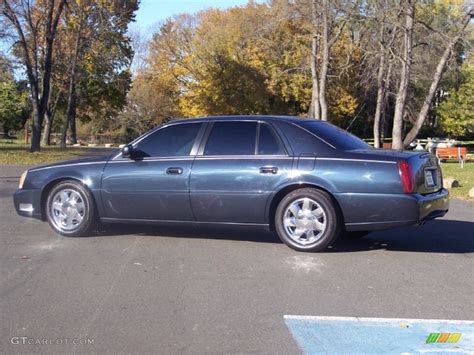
point(22, 179)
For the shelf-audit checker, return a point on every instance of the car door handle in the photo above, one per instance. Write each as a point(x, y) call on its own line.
point(174, 171)
point(268, 170)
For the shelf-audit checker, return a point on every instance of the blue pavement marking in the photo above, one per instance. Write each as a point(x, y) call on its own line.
point(352, 335)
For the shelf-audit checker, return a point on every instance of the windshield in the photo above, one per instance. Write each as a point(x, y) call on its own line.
point(334, 135)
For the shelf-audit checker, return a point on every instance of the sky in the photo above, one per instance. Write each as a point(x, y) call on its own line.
point(154, 11)
point(151, 12)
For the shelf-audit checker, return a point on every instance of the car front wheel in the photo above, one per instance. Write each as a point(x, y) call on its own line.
point(306, 220)
point(70, 209)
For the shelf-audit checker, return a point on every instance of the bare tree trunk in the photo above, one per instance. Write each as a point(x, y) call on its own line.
point(71, 114)
point(72, 98)
point(397, 142)
point(324, 63)
point(314, 110)
point(384, 124)
point(47, 128)
point(410, 137)
point(380, 94)
point(50, 113)
point(63, 141)
point(36, 129)
point(70, 111)
point(51, 26)
point(323, 39)
point(6, 129)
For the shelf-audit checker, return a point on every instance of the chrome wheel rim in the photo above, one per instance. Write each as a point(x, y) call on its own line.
point(304, 221)
point(67, 209)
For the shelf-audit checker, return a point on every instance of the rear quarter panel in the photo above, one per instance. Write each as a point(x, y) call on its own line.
point(368, 192)
point(358, 176)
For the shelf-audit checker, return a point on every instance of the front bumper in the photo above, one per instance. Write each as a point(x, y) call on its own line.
point(28, 203)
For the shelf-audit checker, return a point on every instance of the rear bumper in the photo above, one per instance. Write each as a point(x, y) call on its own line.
point(28, 203)
point(433, 205)
point(367, 212)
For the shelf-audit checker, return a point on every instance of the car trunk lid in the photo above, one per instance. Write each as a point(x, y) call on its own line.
point(426, 173)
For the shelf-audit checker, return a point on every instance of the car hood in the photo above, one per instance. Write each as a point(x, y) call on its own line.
point(80, 161)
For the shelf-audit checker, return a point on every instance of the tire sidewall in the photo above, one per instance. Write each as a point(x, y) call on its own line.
point(89, 216)
point(332, 225)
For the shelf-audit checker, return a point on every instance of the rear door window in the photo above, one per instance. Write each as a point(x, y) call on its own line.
point(232, 138)
point(268, 143)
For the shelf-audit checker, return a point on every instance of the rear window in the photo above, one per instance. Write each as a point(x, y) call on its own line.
point(301, 141)
point(334, 135)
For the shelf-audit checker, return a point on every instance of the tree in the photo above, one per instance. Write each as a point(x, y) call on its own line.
point(36, 26)
point(383, 77)
point(404, 81)
point(14, 108)
point(99, 59)
point(253, 59)
point(368, 58)
point(437, 28)
point(437, 76)
point(328, 19)
point(149, 102)
point(380, 36)
point(456, 112)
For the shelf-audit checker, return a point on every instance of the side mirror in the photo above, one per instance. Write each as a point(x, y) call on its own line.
point(127, 151)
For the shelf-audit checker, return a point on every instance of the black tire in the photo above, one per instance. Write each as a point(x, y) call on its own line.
point(355, 234)
point(88, 213)
point(332, 227)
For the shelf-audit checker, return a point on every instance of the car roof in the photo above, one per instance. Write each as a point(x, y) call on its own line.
point(239, 118)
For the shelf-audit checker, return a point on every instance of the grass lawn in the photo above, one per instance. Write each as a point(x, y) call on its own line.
point(464, 176)
point(17, 153)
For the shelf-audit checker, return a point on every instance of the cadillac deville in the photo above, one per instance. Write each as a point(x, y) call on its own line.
point(305, 179)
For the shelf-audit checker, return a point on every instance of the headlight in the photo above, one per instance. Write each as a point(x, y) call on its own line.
point(22, 179)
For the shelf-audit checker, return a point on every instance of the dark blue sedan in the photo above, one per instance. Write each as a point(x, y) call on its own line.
point(307, 180)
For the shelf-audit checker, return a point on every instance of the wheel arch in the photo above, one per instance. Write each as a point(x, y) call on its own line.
point(48, 187)
point(290, 188)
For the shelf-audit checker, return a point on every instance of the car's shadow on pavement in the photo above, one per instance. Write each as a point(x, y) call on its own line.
point(440, 236)
point(250, 234)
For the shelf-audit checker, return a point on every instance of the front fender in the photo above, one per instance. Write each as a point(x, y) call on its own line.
point(90, 175)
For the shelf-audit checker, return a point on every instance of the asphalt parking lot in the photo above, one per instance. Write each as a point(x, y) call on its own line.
point(207, 290)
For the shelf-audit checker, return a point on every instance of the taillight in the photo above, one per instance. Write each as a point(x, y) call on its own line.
point(405, 176)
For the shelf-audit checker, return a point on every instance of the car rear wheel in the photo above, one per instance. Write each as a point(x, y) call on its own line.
point(70, 209)
point(306, 220)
